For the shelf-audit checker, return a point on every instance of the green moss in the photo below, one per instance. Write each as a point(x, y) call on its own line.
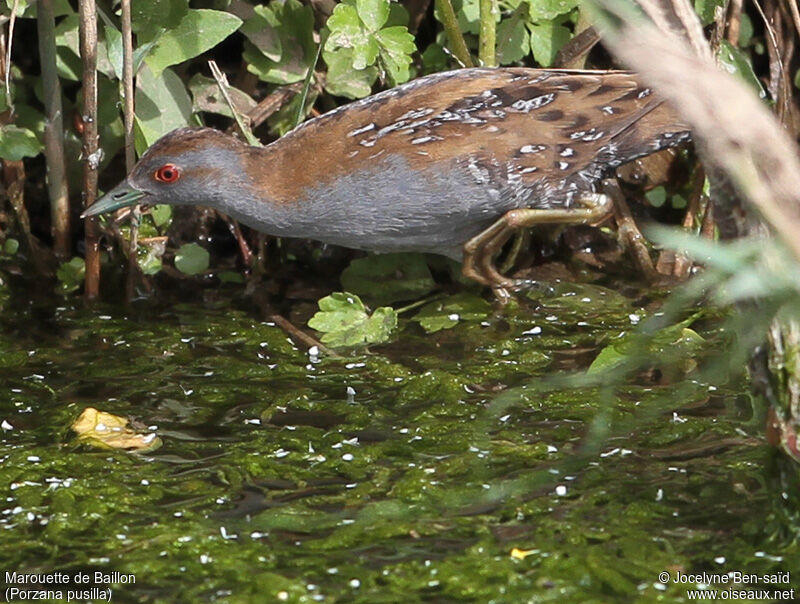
point(452, 450)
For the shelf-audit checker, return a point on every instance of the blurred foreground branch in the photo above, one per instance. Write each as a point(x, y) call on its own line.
point(734, 131)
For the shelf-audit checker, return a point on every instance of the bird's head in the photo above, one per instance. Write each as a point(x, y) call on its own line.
point(188, 166)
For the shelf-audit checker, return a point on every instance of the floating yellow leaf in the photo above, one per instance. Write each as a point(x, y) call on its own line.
point(521, 554)
point(108, 431)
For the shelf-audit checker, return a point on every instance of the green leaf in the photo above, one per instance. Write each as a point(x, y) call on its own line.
point(343, 79)
point(344, 321)
point(148, 256)
point(207, 97)
point(10, 246)
point(191, 259)
point(469, 16)
point(544, 10)
point(733, 60)
point(373, 13)
point(513, 41)
point(397, 47)
point(162, 104)
point(151, 16)
point(386, 278)
point(435, 59)
point(16, 143)
point(293, 23)
point(68, 52)
point(344, 26)
point(546, 40)
point(198, 31)
point(447, 313)
point(705, 9)
point(365, 53)
point(349, 30)
point(656, 197)
point(261, 28)
point(114, 49)
point(70, 275)
point(161, 215)
point(611, 356)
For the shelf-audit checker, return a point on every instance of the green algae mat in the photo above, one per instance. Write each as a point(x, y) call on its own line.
point(495, 455)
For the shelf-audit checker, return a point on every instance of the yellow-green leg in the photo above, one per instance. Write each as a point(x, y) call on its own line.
point(480, 251)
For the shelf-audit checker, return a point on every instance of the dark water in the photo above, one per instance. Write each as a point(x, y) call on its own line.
point(454, 466)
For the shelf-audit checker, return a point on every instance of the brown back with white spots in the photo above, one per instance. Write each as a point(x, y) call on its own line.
point(518, 125)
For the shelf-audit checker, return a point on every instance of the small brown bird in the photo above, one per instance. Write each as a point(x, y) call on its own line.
point(450, 163)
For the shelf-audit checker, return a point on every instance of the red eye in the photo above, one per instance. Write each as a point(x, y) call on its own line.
point(168, 173)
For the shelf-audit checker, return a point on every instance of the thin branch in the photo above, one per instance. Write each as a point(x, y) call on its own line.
point(87, 11)
point(457, 43)
point(734, 21)
point(487, 52)
point(130, 152)
point(740, 137)
point(795, 14)
point(53, 131)
point(222, 83)
point(7, 78)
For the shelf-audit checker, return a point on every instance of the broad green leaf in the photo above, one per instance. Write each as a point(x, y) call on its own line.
point(161, 215)
point(447, 313)
point(294, 25)
point(544, 10)
point(656, 197)
point(609, 357)
point(347, 31)
point(28, 9)
point(191, 259)
point(435, 59)
point(397, 47)
point(16, 143)
point(148, 256)
point(343, 79)
point(344, 321)
point(734, 61)
point(261, 28)
point(513, 41)
point(546, 40)
point(705, 9)
point(151, 16)
point(10, 246)
point(162, 104)
point(469, 16)
point(68, 62)
point(70, 275)
point(344, 25)
point(386, 278)
point(365, 52)
point(114, 49)
point(197, 32)
point(207, 97)
point(373, 13)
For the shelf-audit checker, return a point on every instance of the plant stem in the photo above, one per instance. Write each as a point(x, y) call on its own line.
point(53, 131)
point(457, 43)
point(487, 52)
point(130, 151)
point(87, 11)
point(222, 84)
